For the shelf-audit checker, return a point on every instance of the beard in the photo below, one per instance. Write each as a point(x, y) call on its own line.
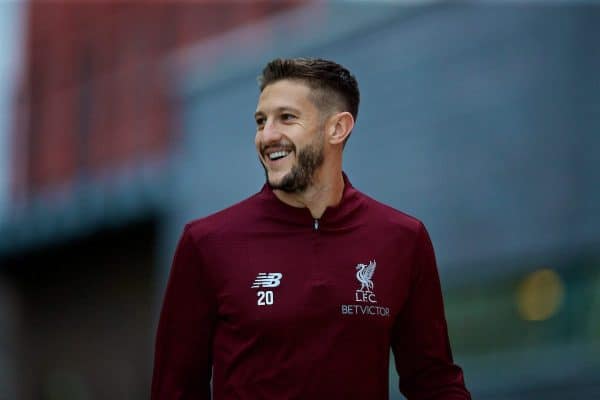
point(301, 176)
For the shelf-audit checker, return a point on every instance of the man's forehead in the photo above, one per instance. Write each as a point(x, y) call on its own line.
point(284, 94)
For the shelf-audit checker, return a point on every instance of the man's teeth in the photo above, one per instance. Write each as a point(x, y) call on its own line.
point(278, 154)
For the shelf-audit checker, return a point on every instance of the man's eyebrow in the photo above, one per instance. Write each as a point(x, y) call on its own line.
point(288, 108)
point(279, 110)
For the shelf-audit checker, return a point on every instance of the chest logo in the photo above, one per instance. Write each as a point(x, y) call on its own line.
point(269, 280)
point(364, 274)
point(365, 294)
point(266, 280)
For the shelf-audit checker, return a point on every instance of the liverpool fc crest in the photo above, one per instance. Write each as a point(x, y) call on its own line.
point(364, 274)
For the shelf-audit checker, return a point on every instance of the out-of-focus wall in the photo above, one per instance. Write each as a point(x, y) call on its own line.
point(83, 317)
point(94, 97)
point(11, 28)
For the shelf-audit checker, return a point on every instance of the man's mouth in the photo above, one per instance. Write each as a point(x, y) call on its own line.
point(277, 155)
point(277, 152)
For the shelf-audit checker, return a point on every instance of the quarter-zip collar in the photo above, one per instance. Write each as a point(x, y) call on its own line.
point(334, 218)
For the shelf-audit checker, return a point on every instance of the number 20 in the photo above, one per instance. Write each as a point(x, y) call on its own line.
point(264, 298)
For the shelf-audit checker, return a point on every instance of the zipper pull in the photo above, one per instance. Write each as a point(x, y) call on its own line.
point(316, 225)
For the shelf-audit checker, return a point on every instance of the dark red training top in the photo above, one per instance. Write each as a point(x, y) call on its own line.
point(273, 304)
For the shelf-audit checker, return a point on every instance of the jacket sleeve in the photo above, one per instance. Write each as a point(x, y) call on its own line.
point(182, 359)
point(420, 337)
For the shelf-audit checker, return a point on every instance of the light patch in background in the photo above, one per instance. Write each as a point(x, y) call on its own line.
point(11, 33)
point(540, 295)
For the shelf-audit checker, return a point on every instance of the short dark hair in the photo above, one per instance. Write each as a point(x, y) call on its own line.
point(327, 78)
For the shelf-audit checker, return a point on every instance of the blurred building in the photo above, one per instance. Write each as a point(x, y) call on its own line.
point(482, 120)
point(95, 96)
point(10, 32)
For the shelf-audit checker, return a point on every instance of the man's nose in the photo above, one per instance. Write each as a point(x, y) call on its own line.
point(270, 132)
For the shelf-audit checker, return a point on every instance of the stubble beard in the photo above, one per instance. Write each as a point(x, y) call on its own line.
point(302, 174)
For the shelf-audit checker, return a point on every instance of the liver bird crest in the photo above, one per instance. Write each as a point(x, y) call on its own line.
point(364, 273)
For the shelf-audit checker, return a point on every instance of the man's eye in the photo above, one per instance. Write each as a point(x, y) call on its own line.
point(287, 117)
point(260, 121)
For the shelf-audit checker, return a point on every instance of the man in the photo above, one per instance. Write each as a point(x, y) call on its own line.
point(300, 291)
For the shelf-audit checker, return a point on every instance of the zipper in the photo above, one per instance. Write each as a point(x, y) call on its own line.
point(315, 239)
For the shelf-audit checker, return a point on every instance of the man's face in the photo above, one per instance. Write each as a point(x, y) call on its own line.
point(289, 135)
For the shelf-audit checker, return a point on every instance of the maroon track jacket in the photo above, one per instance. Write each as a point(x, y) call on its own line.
point(273, 304)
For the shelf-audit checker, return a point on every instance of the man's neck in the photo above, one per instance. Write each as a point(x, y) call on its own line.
point(326, 191)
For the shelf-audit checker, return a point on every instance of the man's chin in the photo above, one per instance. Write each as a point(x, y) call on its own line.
point(278, 183)
point(287, 184)
point(277, 177)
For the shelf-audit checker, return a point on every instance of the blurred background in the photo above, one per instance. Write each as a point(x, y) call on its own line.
point(122, 120)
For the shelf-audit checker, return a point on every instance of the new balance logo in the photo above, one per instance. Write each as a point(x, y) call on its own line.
point(268, 280)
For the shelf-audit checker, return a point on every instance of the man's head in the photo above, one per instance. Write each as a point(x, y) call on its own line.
point(305, 113)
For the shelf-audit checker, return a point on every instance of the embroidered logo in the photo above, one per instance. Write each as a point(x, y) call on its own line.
point(365, 294)
point(270, 280)
point(266, 280)
point(364, 274)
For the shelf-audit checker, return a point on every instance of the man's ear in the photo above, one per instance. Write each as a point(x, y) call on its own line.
point(340, 127)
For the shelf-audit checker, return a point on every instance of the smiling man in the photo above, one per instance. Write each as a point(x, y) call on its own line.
point(300, 291)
